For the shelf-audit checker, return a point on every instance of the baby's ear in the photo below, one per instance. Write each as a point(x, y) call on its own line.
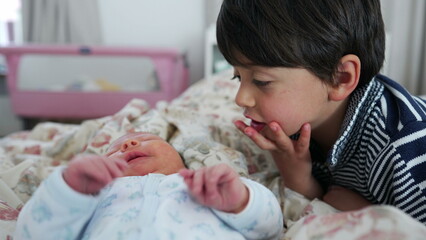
point(346, 78)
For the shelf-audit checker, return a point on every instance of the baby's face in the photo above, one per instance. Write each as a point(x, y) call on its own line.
point(145, 153)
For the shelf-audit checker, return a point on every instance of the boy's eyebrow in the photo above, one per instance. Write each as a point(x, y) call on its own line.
point(267, 74)
point(262, 70)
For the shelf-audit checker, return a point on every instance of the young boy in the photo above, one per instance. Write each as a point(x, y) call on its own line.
point(147, 199)
point(311, 89)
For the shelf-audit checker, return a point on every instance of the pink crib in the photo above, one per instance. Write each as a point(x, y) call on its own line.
point(170, 67)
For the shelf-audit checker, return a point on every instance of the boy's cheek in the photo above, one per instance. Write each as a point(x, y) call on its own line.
point(267, 133)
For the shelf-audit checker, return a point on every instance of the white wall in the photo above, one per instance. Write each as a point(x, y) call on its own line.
point(160, 23)
point(163, 23)
point(405, 50)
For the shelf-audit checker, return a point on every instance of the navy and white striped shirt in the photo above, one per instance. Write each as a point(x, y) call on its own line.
point(381, 151)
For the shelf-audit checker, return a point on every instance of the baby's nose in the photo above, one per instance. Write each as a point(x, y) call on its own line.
point(129, 144)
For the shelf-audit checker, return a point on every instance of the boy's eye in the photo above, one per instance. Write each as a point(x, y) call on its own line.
point(255, 82)
point(261, 83)
point(236, 77)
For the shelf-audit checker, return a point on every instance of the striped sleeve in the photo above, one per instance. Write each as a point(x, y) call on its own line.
point(398, 175)
point(399, 178)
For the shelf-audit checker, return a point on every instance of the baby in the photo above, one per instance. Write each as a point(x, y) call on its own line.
point(141, 190)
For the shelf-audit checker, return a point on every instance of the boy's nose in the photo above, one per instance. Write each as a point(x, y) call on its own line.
point(129, 144)
point(244, 98)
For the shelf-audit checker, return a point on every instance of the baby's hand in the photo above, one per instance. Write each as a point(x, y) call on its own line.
point(88, 174)
point(218, 186)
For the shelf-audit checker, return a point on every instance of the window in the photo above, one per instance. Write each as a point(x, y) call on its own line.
point(10, 21)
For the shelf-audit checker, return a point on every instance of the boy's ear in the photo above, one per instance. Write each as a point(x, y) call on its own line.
point(346, 78)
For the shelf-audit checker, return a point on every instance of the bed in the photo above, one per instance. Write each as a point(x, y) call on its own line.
point(81, 82)
point(198, 123)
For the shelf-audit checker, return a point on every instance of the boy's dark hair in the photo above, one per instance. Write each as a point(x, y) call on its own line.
point(311, 34)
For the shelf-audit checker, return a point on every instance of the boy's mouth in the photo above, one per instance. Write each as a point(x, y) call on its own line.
point(258, 126)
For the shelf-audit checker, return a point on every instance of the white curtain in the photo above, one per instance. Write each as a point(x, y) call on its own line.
point(61, 21)
point(212, 8)
point(405, 62)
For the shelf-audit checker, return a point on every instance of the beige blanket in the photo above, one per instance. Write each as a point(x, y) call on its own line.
point(199, 125)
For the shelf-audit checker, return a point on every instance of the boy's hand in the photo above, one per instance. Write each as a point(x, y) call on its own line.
point(292, 157)
point(344, 199)
point(218, 186)
point(88, 174)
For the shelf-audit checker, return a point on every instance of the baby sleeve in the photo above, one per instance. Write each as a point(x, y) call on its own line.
point(261, 219)
point(55, 211)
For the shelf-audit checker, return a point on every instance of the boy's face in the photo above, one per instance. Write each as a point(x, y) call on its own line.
point(289, 96)
point(145, 153)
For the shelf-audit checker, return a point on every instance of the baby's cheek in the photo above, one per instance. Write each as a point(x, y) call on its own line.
point(116, 154)
point(136, 170)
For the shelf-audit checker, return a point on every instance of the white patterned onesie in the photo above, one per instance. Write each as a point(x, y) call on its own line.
point(151, 207)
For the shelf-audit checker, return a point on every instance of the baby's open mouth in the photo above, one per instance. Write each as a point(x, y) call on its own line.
point(258, 126)
point(134, 156)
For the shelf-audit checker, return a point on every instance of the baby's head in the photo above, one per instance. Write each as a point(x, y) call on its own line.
point(308, 34)
point(145, 153)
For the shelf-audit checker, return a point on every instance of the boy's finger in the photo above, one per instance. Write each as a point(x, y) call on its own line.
point(259, 139)
point(256, 137)
point(281, 140)
point(240, 125)
point(304, 138)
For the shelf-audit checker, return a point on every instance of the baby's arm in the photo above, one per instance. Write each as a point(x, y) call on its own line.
point(247, 206)
point(88, 173)
point(58, 210)
point(218, 187)
point(55, 211)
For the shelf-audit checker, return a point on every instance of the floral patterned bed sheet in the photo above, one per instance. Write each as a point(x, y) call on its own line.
point(199, 125)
